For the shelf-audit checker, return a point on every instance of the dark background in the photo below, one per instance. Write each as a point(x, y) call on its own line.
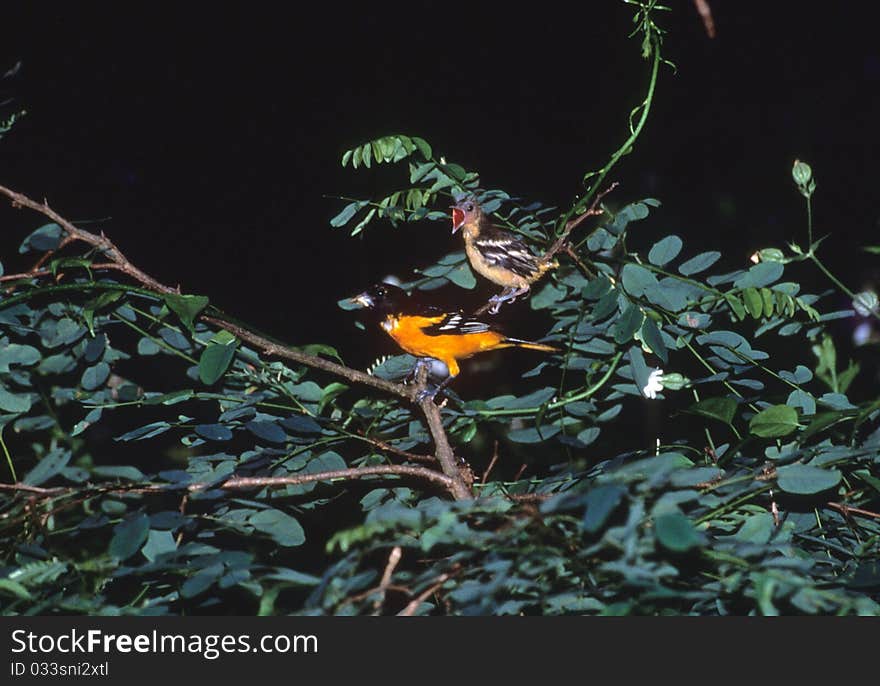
point(206, 139)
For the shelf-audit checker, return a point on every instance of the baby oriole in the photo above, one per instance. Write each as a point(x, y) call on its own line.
point(497, 254)
point(428, 332)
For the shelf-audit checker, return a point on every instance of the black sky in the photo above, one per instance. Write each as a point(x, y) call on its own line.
point(207, 139)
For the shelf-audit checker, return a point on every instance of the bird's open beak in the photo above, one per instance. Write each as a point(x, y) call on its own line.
point(363, 299)
point(457, 218)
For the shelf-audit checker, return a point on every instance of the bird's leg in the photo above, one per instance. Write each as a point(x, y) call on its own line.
point(433, 393)
point(421, 363)
point(507, 295)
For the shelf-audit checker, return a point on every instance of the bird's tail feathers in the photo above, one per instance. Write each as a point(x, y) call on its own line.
point(529, 345)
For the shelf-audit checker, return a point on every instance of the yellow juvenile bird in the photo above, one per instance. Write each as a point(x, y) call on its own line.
point(496, 254)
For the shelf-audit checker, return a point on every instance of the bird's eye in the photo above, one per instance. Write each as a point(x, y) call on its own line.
point(381, 291)
point(469, 207)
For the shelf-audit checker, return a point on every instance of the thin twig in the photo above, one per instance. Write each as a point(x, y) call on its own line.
point(182, 509)
point(67, 240)
point(413, 605)
point(592, 211)
point(31, 274)
point(388, 448)
point(572, 253)
point(393, 560)
point(530, 497)
point(846, 510)
point(491, 464)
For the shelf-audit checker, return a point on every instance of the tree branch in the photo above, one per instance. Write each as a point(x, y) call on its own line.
point(271, 348)
point(237, 483)
point(453, 480)
point(705, 12)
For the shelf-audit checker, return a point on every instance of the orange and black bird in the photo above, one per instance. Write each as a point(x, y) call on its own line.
point(427, 331)
point(497, 254)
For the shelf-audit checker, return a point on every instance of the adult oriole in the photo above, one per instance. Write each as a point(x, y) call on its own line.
point(497, 254)
point(427, 331)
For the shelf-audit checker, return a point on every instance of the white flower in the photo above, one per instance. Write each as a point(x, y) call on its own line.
point(862, 334)
point(654, 385)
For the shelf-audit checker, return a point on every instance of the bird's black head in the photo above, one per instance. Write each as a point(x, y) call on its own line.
point(466, 210)
point(382, 297)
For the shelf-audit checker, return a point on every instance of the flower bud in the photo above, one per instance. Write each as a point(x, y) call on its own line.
point(801, 173)
point(675, 381)
point(865, 303)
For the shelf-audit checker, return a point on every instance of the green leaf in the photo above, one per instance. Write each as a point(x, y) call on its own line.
point(699, 263)
point(14, 588)
point(637, 280)
point(665, 250)
point(266, 430)
point(147, 346)
point(49, 465)
point(600, 502)
point(805, 479)
point(754, 303)
point(187, 307)
point(653, 339)
point(589, 435)
point(301, 425)
point(119, 472)
point(128, 536)
point(284, 529)
point(776, 421)
point(676, 532)
point(736, 305)
point(548, 295)
point(803, 400)
point(423, 147)
point(201, 581)
point(758, 528)
point(759, 275)
point(16, 354)
point(628, 323)
point(214, 432)
point(94, 377)
point(14, 403)
point(170, 398)
point(47, 237)
point(158, 543)
point(144, 432)
point(722, 409)
point(533, 435)
point(462, 276)
point(215, 360)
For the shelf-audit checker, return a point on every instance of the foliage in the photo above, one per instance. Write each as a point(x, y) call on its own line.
point(158, 464)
